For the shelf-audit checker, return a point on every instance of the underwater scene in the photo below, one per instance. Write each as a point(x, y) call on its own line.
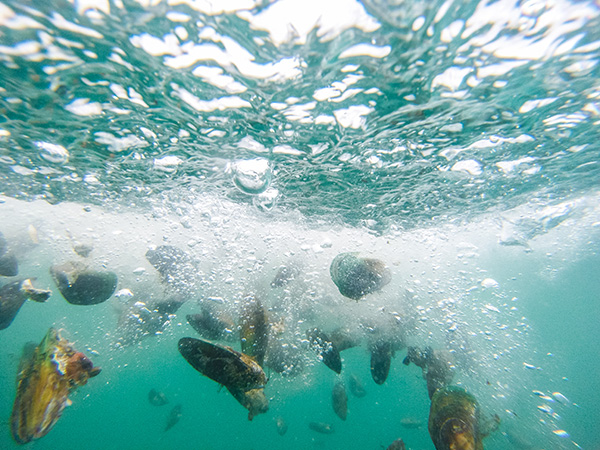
point(299, 224)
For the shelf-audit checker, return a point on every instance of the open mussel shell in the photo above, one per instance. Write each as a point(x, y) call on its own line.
point(47, 375)
point(356, 277)
point(82, 286)
point(454, 420)
point(223, 364)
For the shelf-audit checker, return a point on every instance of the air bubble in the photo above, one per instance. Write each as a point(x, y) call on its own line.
point(252, 176)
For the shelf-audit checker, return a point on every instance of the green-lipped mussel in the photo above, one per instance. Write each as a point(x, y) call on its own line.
point(47, 375)
point(239, 373)
point(454, 420)
point(254, 329)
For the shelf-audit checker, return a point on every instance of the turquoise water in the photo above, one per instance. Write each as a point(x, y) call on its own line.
point(454, 141)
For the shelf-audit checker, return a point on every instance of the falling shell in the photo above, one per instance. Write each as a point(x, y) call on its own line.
point(356, 277)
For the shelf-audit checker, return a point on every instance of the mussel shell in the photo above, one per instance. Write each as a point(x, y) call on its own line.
point(47, 375)
point(157, 398)
point(454, 420)
point(282, 426)
point(321, 427)
point(80, 286)
point(326, 349)
point(339, 400)
point(174, 265)
point(398, 444)
point(212, 324)
point(356, 277)
point(173, 417)
point(254, 329)
point(223, 364)
point(254, 400)
point(381, 360)
point(12, 297)
point(9, 266)
point(356, 387)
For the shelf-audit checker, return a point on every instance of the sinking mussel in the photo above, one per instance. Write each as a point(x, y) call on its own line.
point(436, 366)
point(12, 297)
point(254, 329)
point(281, 425)
point(398, 444)
point(339, 400)
point(212, 324)
point(9, 266)
point(325, 348)
point(254, 400)
point(173, 417)
point(356, 387)
point(454, 420)
point(321, 427)
point(157, 398)
point(239, 373)
point(356, 277)
point(47, 375)
point(175, 266)
point(381, 360)
point(82, 286)
point(223, 364)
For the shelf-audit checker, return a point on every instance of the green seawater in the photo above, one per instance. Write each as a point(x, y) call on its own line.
point(454, 141)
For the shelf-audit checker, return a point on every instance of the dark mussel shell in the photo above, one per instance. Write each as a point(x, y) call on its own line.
point(223, 364)
point(339, 400)
point(398, 444)
point(82, 286)
point(254, 329)
point(381, 360)
point(212, 324)
point(9, 266)
point(175, 266)
point(356, 277)
point(12, 297)
point(321, 427)
point(254, 400)
point(157, 398)
point(356, 387)
point(325, 348)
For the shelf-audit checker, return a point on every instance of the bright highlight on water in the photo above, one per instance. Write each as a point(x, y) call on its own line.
point(299, 224)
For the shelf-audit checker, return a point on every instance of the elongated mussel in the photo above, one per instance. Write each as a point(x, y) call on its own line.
point(47, 375)
point(325, 349)
point(454, 420)
point(239, 373)
point(356, 277)
point(254, 329)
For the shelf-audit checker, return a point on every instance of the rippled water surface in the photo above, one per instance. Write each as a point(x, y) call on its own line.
point(454, 141)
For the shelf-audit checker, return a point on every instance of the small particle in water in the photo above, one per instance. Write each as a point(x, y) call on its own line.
point(251, 176)
point(561, 433)
point(139, 271)
point(538, 393)
point(561, 398)
point(547, 398)
point(545, 409)
point(576, 444)
point(489, 283)
point(531, 366)
point(124, 293)
point(52, 152)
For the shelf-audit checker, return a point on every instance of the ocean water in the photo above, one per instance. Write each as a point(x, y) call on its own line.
point(454, 141)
